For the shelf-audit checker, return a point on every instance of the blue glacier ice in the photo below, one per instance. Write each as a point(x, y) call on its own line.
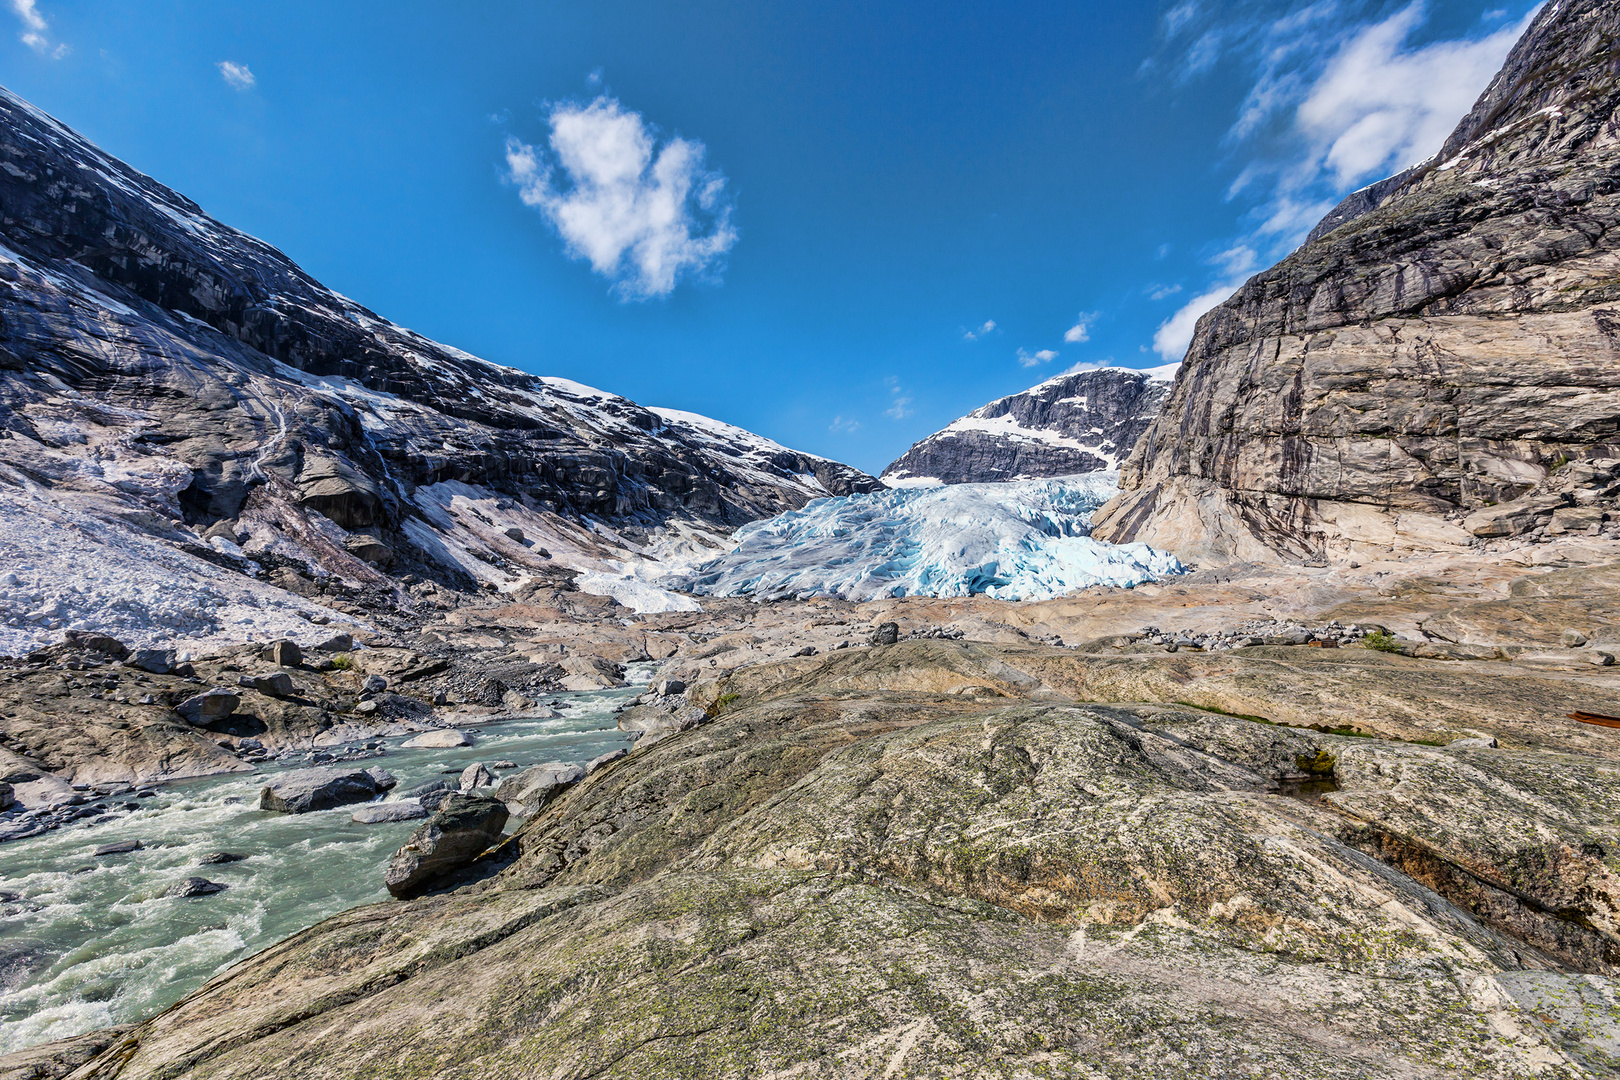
point(1014, 541)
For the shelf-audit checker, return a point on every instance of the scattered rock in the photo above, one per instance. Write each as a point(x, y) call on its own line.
point(476, 776)
point(462, 828)
point(122, 847)
point(215, 858)
point(380, 776)
point(8, 796)
point(277, 685)
point(597, 762)
point(438, 740)
point(284, 653)
point(211, 705)
point(535, 786)
point(155, 661)
point(514, 533)
point(366, 708)
point(808, 650)
point(377, 813)
point(886, 634)
point(337, 643)
point(101, 643)
point(1572, 639)
point(195, 886)
point(669, 687)
point(305, 790)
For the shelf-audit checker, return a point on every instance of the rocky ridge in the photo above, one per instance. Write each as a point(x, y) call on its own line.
point(199, 428)
point(1078, 422)
point(1439, 364)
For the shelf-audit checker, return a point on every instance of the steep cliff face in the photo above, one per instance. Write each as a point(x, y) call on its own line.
point(163, 373)
point(1439, 362)
point(1082, 422)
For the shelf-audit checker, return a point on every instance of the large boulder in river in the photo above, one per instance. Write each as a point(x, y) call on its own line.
point(305, 790)
point(461, 829)
point(438, 740)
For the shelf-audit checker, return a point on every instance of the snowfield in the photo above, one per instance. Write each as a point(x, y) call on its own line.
point(1015, 541)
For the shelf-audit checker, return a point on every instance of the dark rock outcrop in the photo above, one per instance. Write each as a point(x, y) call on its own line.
point(1448, 340)
point(1082, 422)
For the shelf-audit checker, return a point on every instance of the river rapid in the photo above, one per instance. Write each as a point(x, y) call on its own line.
point(87, 942)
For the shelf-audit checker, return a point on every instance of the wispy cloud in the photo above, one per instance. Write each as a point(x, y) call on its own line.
point(1174, 334)
point(34, 29)
point(237, 76)
point(983, 330)
point(1035, 359)
point(643, 213)
point(1081, 330)
point(843, 425)
point(1162, 292)
point(899, 400)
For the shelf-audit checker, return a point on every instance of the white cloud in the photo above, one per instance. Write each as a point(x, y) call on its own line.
point(33, 29)
point(1029, 359)
point(1161, 292)
point(1175, 333)
point(237, 76)
point(642, 214)
point(842, 425)
point(988, 327)
point(1080, 331)
point(899, 400)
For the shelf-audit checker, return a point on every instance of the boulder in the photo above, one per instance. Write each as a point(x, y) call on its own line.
point(438, 740)
point(462, 828)
point(101, 643)
point(8, 796)
point(305, 790)
point(432, 800)
point(210, 705)
point(514, 533)
point(885, 634)
point(535, 786)
point(214, 858)
point(155, 661)
point(669, 687)
point(1572, 639)
point(612, 755)
point(377, 813)
point(337, 643)
point(284, 653)
point(277, 685)
point(384, 779)
point(424, 790)
point(195, 886)
point(476, 776)
point(121, 847)
point(656, 721)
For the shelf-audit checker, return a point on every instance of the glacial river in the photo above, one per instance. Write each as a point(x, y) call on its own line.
point(93, 941)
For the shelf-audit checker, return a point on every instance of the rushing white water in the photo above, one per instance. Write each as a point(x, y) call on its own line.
point(94, 941)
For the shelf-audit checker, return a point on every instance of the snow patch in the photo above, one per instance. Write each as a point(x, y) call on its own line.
point(635, 594)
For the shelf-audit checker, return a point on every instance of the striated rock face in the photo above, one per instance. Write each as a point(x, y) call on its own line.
point(174, 380)
point(1443, 344)
point(1082, 422)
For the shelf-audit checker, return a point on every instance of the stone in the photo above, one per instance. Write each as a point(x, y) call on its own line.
point(443, 739)
point(8, 796)
point(1474, 743)
point(341, 643)
point(380, 776)
point(306, 790)
point(1572, 639)
point(378, 813)
point(461, 829)
point(537, 785)
point(514, 533)
point(284, 653)
point(215, 858)
point(885, 634)
point(431, 800)
point(277, 685)
point(211, 705)
point(121, 847)
point(512, 701)
point(808, 650)
point(101, 643)
point(669, 687)
point(155, 661)
point(476, 776)
point(367, 708)
point(603, 759)
point(423, 790)
point(195, 886)
point(1601, 658)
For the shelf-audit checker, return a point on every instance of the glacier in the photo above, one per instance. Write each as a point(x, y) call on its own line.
point(1023, 540)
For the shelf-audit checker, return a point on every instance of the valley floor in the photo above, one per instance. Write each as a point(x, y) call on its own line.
point(1307, 821)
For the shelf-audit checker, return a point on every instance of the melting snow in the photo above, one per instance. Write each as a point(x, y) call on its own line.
point(1017, 541)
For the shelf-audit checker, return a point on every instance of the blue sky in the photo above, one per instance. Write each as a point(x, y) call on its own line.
point(797, 218)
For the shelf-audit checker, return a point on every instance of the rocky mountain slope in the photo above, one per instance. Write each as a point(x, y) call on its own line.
point(180, 403)
point(1440, 363)
point(1084, 421)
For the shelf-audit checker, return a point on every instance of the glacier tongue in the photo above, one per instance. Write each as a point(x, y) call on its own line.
point(1013, 541)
